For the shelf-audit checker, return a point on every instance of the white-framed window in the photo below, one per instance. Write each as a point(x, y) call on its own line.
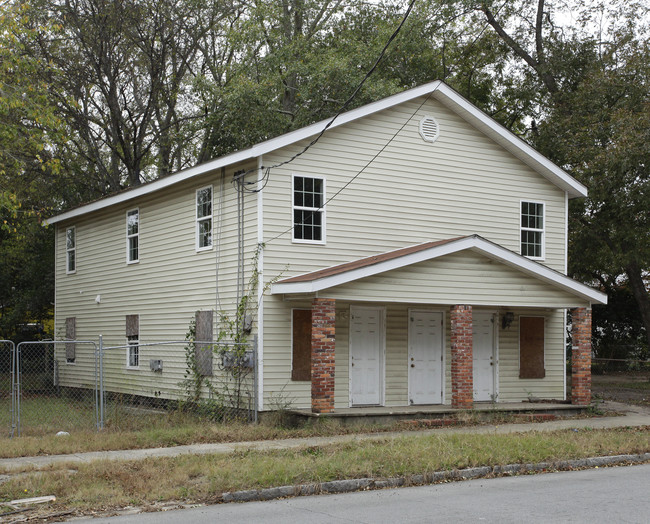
point(132, 236)
point(132, 341)
point(71, 250)
point(532, 229)
point(308, 209)
point(133, 355)
point(204, 218)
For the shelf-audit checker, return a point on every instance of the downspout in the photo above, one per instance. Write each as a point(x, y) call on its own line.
point(260, 287)
point(217, 240)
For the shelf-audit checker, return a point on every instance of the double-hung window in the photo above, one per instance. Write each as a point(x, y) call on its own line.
point(532, 229)
point(70, 250)
point(132, 341)
point(204, 218)
point(308, 209)
point(132, 236)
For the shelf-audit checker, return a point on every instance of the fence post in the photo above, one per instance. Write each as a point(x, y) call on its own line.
point(101, 383)
point(255, 375)
point(12, 374)
point(16, 389)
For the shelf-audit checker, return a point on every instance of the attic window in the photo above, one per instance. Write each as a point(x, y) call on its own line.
point(429, 129)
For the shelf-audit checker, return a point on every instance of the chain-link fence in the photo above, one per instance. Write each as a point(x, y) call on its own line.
point(73, 386)
point(7, 381)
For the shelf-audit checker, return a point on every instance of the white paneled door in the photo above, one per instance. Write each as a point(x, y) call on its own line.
point(484, 355)
point(426, 342)
point(366, 356)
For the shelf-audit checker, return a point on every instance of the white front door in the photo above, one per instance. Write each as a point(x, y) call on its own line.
point(425, 357)
point(484, 355)
point(366, 356)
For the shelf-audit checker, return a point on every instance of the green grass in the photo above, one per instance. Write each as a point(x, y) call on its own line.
point(202, 478)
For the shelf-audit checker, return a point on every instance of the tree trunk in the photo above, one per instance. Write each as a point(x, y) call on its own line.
point(640, 294)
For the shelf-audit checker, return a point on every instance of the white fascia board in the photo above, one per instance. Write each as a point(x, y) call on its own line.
point(252, 152)
point(477, 244)
point(150, 187)
point(314, 286)
point(539, 271)
point(510, 142)
point(442, 93)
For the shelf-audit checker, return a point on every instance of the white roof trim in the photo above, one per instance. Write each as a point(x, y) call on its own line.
point(474, 243)
point(438, 89)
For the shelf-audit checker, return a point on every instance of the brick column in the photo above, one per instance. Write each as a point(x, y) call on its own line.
point(581, 356)
point(462, 364)
point(323, 320)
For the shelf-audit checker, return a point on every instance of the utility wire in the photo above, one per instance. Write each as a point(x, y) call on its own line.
point(345, 105)
point(383, 148)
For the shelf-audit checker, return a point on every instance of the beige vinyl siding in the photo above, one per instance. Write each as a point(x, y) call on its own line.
point(414, 192)
point(510, 388)
point(464, 183)
point(459, 278)
point(165, 288)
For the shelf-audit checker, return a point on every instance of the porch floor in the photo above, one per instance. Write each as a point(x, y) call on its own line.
point(387, 414)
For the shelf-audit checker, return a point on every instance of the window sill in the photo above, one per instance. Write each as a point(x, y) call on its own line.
point(130, 263)
point(311, 242)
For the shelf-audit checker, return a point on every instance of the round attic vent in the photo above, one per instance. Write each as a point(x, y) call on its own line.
point(429, 129)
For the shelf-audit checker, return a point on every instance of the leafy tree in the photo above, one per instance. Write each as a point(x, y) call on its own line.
point(588, 103)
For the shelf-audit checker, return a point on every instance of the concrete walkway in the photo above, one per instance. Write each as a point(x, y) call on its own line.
point(631, 416)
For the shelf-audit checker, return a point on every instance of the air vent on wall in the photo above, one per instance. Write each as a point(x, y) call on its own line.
point(429, 129)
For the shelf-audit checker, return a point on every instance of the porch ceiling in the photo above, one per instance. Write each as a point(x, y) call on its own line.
point(518, 277)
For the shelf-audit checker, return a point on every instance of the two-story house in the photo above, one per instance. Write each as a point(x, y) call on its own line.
point(417, 253)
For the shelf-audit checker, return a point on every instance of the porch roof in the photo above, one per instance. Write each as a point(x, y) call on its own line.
point(326, 278)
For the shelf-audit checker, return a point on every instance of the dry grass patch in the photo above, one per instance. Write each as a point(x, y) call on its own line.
point(203, 478)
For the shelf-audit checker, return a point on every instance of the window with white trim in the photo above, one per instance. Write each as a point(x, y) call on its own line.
point(204, 218)
point(132, 236)
point(308, 209)
point(532, 229)
point(132, 341)
point(70, 250)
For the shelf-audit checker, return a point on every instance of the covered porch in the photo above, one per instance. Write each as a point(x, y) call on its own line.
point(450, 306)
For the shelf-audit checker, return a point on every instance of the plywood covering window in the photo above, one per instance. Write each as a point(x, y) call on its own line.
point(532, 229)
point(133, 341)
point(308, 209)
point(70, 334)
point(203, 346)
point(531, 347)
point(132, 236)
point(301, 361)
point(204, 218)
point(70, 250)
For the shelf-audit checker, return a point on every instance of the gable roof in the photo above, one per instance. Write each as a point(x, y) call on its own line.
point(373, 265)
point(438, 90)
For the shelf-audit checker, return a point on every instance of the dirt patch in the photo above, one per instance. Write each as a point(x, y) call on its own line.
point(626, 387)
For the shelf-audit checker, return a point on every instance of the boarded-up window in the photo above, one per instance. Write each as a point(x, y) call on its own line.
point(301, 368)
point(70, 334)
point(531, 347)
point(204, 351)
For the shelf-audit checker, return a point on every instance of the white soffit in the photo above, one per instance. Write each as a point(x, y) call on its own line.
point(473, 243)
point(442, 92)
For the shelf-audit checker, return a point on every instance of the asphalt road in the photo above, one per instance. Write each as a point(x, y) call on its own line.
point(618, 494)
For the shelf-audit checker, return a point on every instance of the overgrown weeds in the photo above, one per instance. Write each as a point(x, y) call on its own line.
point(201, 478)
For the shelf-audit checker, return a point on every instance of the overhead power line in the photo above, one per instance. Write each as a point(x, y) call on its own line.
point(238, 179)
